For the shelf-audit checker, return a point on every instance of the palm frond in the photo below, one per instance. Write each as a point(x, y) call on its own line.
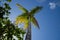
point(20, 19)
point(34, 21)
point(35, 10)
point(22, 8)
point(26, 25)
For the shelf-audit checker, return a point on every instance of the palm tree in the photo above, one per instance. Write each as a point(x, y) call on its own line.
point(28, 18)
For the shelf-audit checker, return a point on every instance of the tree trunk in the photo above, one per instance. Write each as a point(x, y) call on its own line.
point(28, 35)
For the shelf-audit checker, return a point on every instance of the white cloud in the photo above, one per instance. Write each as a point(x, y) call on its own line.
point(40, 1)
point(52, 5)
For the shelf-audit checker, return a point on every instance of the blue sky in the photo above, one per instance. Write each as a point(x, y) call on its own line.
point(48, 18)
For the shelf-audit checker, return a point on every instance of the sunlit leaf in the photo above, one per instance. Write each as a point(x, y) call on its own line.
point(26, 25)
point(22, 8)
point(21, 19)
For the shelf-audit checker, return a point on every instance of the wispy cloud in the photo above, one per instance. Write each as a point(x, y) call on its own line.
point(52, 5)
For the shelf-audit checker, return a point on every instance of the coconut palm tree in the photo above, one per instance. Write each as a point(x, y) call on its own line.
point(27, 18)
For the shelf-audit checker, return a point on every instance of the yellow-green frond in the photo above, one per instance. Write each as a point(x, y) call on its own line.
point(22, 8)
point(34, 21)
point(26, 25)
point(20, 19)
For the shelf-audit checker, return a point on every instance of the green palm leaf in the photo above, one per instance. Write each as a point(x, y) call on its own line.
point(22, 8)
point(35, 10)
point(34, 21)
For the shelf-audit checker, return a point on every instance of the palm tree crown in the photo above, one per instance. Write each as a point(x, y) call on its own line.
point(25, 15)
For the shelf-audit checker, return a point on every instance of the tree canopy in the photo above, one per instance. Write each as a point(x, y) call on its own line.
point(8, 29)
